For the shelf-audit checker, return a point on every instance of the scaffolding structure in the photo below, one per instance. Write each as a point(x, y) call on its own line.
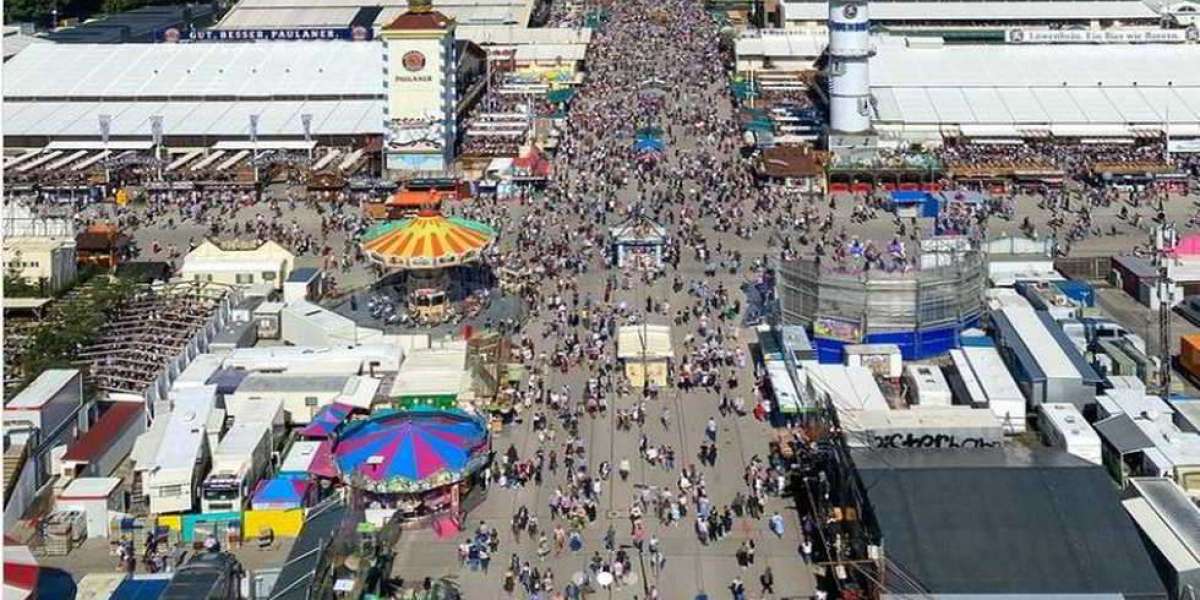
point(860, 306)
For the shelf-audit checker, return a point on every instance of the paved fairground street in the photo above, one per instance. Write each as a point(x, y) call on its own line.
point(597, 487)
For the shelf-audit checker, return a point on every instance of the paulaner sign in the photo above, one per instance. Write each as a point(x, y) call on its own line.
point(355, 34)
point(1106, 36)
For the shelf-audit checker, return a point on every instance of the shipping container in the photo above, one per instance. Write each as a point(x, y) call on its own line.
point(926, 386)
point(1045, 296)
point(938, 427)
point(1079, 291)
point(1189, 355)
point(1043, 360)
point(1062, 426)
point(985, 382)
point(885, 360)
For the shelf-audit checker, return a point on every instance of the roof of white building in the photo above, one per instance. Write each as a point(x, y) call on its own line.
point(983, 11)
point(1069, 89)
point(509, 35)
point(86, 488)
point(42, 390)
point(797, 44)
point(198, 71)
point(339, 13)
point(203, 89)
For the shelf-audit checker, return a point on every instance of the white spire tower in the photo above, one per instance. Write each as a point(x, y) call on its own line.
point(849, 77)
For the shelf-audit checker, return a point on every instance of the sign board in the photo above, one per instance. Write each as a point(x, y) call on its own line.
point(837, 329)
point(1183, 146)
point(1106, 36)
point(352, 34)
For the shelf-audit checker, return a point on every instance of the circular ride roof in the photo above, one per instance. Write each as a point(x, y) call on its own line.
point(427, 241)
point(412, 451)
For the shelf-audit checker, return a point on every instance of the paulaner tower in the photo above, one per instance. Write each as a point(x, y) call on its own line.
point(849, 75)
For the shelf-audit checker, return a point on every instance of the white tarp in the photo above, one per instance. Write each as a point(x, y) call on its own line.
point(644, 341)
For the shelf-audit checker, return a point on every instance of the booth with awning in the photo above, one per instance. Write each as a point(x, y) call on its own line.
point(913, 203)
point(182, 160)
point(646, 351)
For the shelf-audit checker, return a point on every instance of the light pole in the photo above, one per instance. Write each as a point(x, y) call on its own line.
point(105, 126)
point(306, 123)
point(156, 131)
point(254, 144)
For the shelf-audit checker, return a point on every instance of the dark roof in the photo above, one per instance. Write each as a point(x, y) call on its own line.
point(1174, 506)
point(140, 589)
point(204, 576)
point(227, 380)
point(303, 274)
point(790, 161)
point(421, 20)
point(1004, 521)
point(303, 562)
point(1138, 266)
point(1120, 432)
point(1006, 334)
point(93, 241)
point(365, 17)
point(1086, 372)
point(138, 25)
point(145, 271)
point(100, 437)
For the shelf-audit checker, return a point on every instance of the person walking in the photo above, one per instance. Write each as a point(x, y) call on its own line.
point(776, 524)
point(737, 588)
point(767, 580)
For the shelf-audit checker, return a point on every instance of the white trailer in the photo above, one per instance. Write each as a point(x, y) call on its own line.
point(927, 386)
point(299, 458)
point(243, 456)
point(1062, 426)
point(238, 463)
point(987, 383)
point(182, 458)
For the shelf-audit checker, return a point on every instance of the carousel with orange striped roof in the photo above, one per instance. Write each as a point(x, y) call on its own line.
point(426, 248)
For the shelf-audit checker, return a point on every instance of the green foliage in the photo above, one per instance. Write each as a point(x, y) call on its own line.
point(18, 11)
point(16, 286)
point(73, 324)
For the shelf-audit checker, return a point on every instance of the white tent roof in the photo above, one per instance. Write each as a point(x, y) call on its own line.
point(790, 44)
point(276, 118)
point(982, 11)
point(648, 341)
point(196, 71)
point(1093, 90)
point(339, 13)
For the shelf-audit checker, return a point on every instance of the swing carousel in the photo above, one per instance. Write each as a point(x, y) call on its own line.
point(423, 251)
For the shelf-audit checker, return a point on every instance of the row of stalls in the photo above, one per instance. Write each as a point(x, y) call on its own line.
point(96, 170)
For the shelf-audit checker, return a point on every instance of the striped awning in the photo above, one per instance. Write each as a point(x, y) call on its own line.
point(428, 241)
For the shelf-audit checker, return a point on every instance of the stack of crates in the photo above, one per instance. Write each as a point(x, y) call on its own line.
point(65, 530)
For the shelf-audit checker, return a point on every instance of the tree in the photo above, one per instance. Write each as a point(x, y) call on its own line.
point(20, 287)
point(20, 11)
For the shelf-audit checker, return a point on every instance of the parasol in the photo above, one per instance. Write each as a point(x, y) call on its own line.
point(322, 463)
point(326, 421)
point(412, 451)
point(280, 494)
point(649, 145)
point(428, 241)
point(560, 95)
point(20, 572)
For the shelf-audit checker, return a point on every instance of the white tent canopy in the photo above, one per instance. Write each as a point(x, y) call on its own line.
point(208, 160)
point(644, 341)
point(91, 160)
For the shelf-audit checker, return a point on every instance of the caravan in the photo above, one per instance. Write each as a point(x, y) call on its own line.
point(1062, 426)
point(242, 458)
point(182, 458)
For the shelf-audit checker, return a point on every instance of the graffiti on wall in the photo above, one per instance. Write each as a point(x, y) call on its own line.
point(933, 440)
